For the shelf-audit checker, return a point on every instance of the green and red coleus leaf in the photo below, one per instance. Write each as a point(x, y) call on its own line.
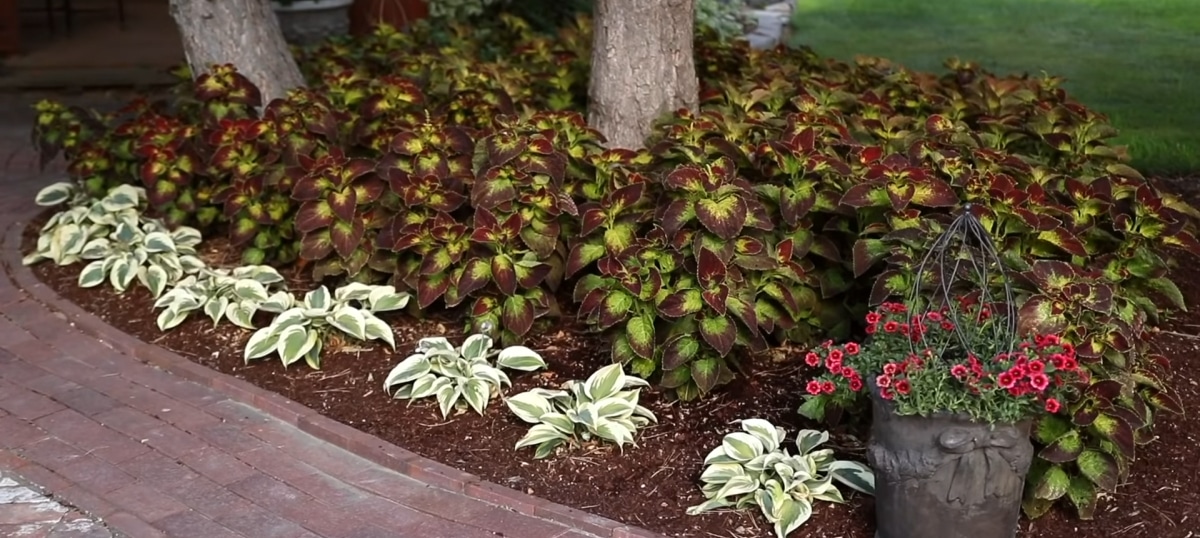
point(518, 314)
point(347, 236)
point(582, 255)
point(682, 303)
point(639, 331)
point(678, 351)
point(314, 215)
point(724, 216)
point(719, 332)
point(430, 288)
point(614, 308)
point(1066, 448)
point(504, 274)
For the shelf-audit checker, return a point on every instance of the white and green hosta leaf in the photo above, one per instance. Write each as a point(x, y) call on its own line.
point(318, 299)
point(520, 358)
point(409, 369)
point(377, 329)
point(349, 320)
point(751, 468)
point(458, 377)
point(386, 299)
point(123, 197)
point(476, 347)
point(531, 407)
point(55, 194)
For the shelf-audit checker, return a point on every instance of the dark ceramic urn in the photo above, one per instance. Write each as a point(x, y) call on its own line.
point(946, 476)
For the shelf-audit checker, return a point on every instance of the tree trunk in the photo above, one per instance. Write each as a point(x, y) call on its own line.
point(244, 33)
point(642, 66)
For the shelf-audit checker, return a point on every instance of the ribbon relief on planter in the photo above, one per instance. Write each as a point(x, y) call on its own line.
point(981, 464)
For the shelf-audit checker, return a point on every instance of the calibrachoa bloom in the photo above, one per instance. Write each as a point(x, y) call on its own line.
point(1000, 382)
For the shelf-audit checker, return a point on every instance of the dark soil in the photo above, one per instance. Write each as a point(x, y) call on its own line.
point(649, 485)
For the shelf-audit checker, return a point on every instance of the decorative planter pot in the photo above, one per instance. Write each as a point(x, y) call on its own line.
point(305, 22)
point(366, 15)
point(946, 476)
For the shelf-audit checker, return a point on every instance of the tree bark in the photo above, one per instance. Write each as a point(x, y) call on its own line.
point(642, 66)
point(244, 33)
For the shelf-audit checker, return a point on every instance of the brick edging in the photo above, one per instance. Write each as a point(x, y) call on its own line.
point(329, 430)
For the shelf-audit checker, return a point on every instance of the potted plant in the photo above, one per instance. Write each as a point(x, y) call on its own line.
point(953, 396)
point(305, 22)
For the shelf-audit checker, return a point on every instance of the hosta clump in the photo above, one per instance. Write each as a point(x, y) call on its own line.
point(235, 294)
point(605, 407)
point(63, 237)
point(750, 468)
point(458, 377)
point(299, 331)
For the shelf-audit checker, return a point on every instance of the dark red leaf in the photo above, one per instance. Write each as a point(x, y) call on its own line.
point(313, 215)
point(518, 315)
point(592, 219)
point(343, 204)
point(504, 274)
point(687, 178)
point(346, 236)
point(710, 270)
point(715, 298)
point(430, 288)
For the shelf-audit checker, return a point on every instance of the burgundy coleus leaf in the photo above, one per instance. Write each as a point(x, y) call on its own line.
point(679, 350)
point(688, 178)
point(504, 274)
point(592, 218)
point(866, 195)
point(614, 309)
point(241, 231)
point(517, 315)
point(542, 242)
point(624, 197)
point(407, 143)
point(161, 193)
point(611, 266)
point(503, 147)
point(313, 215)
point(369, 190)
point(343, 203)
point(591, 302)
point(716, 298)
point(719, 332)
point(724, 217)
point(784, 250)
point(531, 274)
point(487, 228)
point(1104, 390)
point(433, 164)
point(1065, 449)
point(1163, 400)
point(1116, 430)
point(1183, 240)
point(355, 169)
point(677, 214)
point(1051, 276)
point(475, 276)
point(710, 270)
point(437, 261)
point(681, 303)
point(743, 309)
point(933, 192)
point(316, 245)
point(430, 288)
point(347, 236)
point(582, 255)
point(553, 165)
point(491, 189)
point(900, 195)
point(1064, 240)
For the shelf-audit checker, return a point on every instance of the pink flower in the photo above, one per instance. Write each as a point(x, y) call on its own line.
point(1006, 380)
point(812, 359)
point(902, 386)
point(852, 348)
point(1052, 405)
point(883, 381)
point(813, 387)
point(856, 384)
point(1039, 381)
point(828, 387)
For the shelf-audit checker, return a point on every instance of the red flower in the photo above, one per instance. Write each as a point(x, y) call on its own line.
point(833, 363)
point(1068, 348)
point(828, 387)
point(891, 326)
point(856, 384)
point(1039, 381)
point(814, 387)
point(902, 386)
point(836, 369)
point(958, 371)
point(1035, 366)
point(1070, 364)
point(836, 354)
point(883, 381)
point(934, 316)
point(947, 326)
point(904, 328)
point(852, 348)
point(1049, 340)
point(886, 393)
point(873, 318)
point(870, 329)
point(1006, 380)
point(890, 368)
point(812, 359)
point(1052, 405)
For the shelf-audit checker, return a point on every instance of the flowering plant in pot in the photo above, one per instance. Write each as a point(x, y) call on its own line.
point(953, 394)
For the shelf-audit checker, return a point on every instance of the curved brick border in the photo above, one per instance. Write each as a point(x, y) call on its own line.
point(16, 210)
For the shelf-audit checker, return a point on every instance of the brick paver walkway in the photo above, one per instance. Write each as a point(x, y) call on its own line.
point(27, 512)
point(189, 452)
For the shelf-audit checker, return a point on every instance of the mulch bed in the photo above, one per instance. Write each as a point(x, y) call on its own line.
point(649, 485)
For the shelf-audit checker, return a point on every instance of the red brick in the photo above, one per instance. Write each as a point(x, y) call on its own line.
point(87, 501)
point(22, 313)
point(30, 405)
point(9, 389)
point(186, 417)
point(20, 371)
point(280, 407)
point(87, 434)
point(417, 495)
point(634, 532)
point(236, 413)
point(330, 490)
point(11, 333)
point(145, 502)
point(230, 438)
point(217, 465)
point(51, 385)
point(43, 477)
point(47, 325)
point(505, 522)
point(71, 370)
point(194, 524)
point(236, 389)
point(10, 461)
point(577, 519)
point(129, 421)
point(155, 468)
point(30, 513)
point(496, 494)
point(18, 433)
point(173, 441)
point(132, 525)
point(275, 496)
point(277, 463)
point(437, 474)
point(52, 453)
point(190, 392)
point(96, 475)
point(251, 520)
point(206, 496)
point(87, 401)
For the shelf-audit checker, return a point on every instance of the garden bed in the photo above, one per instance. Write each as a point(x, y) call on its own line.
point(650, 485)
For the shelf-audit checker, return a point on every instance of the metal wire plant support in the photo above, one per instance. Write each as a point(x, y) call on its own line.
point(962, 263)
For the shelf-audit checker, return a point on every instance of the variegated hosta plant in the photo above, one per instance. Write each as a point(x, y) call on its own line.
point(148, 252)
point(750, 468)
point(605, 407)
point(235, 294)
point(64, 236)
point(299, 331)
point(458, 377)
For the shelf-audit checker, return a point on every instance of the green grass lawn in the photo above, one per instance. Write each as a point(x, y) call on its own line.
point(1138, 61)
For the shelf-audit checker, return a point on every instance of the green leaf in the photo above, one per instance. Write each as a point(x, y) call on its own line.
point(640, 331)
point(476, 347)
point(476, 392)
point(529, 406)
point(560, 422)
point(792, 514)
point(742, 447)
point(1053, 484)
point(540, 433)
point(605, 382)
point(407, 371)
point(1083, 494)
point(317, 299)
point(241, 314)
point(158, 242)
point(448, 397)
point(386, 299)
point(1100, 468)
point(813, 407)
point(155, 279)
point(350, 320)
point(376, 329)
point(261, 343)
point(215, 308)
point(520, 358)
point(738, 485)
point(293, 343)
point(807, 440)
point(769, 434)
point(55, 194)
point(170, 318)
point(250, 290)
point(1169, 290)
point(857, 476)
point(706, 372)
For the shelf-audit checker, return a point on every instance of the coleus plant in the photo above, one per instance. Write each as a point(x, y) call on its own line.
point(301, 327)
point(336, 194)
point(458, 377)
